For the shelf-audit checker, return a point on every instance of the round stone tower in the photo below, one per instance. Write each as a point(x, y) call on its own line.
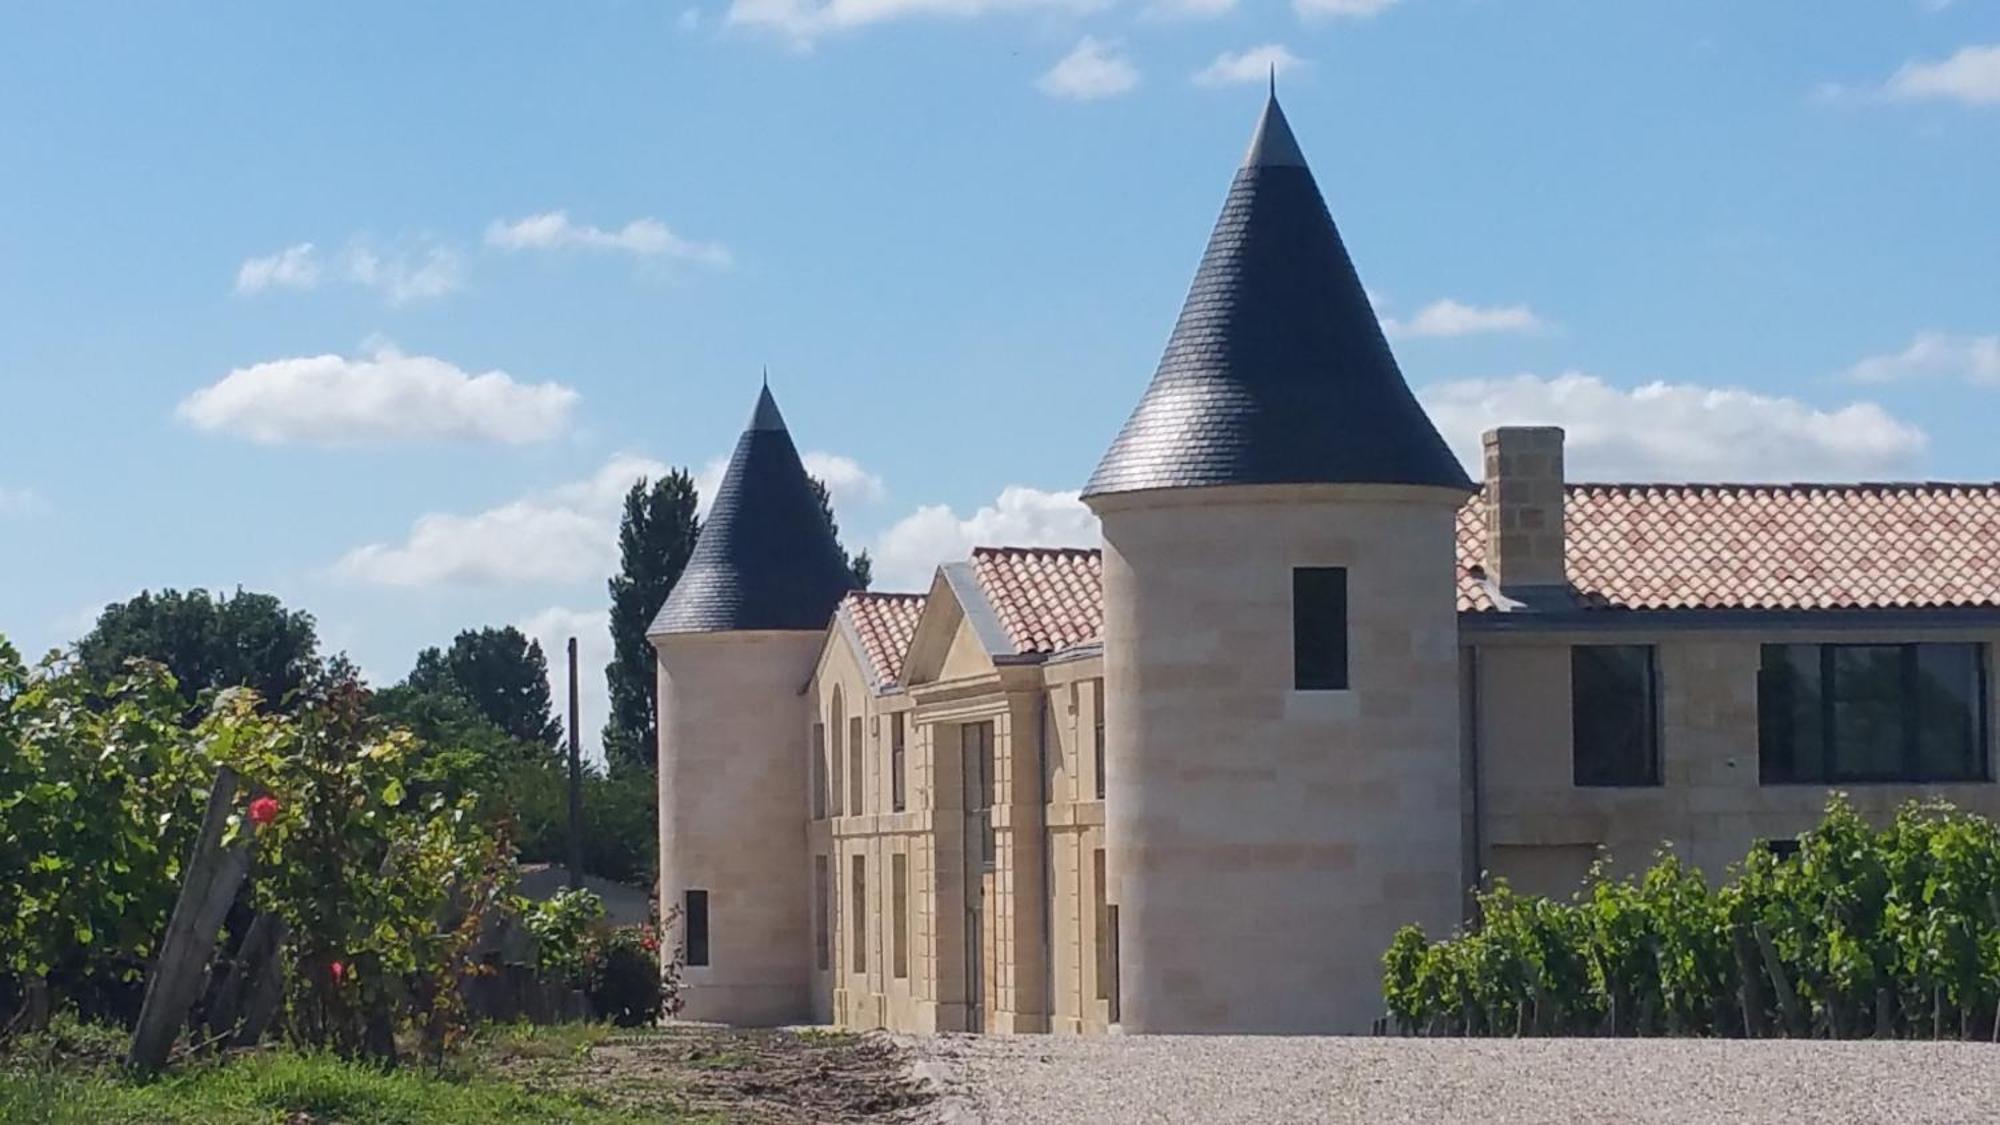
point(1280, 638)
point(736, 641)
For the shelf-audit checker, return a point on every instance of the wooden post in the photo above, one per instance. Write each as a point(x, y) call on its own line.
point(213, 874)
point(1788, 1001)
point(1750, 985)
point(575, 782)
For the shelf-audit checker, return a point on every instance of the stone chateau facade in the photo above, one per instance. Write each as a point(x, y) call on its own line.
point(1315, 685)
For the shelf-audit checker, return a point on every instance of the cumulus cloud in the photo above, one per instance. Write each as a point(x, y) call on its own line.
point(1347, 9)
point(1971, 75)
point(568, 533)
point(411, 271)
point(384, 397)
point(1252, 64)
point(848, 484)
point(1668, 431)
point(1092, 70)
point(1975, 359)
point(908, 553)
point(641, 238)
point(294, 267)
point(553, 627)
point(804, 21)
point(1454, 318)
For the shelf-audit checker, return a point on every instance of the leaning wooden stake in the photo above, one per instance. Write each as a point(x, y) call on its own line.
point(213, 874)
point(1788, 1001)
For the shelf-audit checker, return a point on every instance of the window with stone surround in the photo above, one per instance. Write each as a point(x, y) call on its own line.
point(855, 773)
point(897, 790)
point(1846, 713)
point(819, 778)
point(899, 935)
point(1319, 628)
point(1614, 715)
point(858, 911)
point(694, 920)
point(1097, 738)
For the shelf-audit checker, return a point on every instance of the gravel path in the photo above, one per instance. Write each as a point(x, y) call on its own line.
point(1017, 1080)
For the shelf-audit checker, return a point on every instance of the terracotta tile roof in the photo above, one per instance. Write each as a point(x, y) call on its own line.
point(1047, 598)
point(885, 624)
point(1771, 547)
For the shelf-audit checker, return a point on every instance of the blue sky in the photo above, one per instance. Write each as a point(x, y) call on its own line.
point(378, 306)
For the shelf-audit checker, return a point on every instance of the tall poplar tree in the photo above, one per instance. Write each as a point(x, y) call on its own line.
point(655, 538)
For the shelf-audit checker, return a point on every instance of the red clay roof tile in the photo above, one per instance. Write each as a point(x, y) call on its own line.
point(885, 623)
point(1047, 598)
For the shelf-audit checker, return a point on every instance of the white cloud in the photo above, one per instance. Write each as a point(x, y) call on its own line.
point(848, 484)
point(1453, 318)
point(1092, 70)
point(405, 275)
point(1188, 9)
point(1665, 431)
point(20, 500)
point(385, 397)
point(1349, 9)
point(1253, 64)
point(908, 553)
point(643, 238)
point(294, 267)
point(803, 21)
point(564, 534)
point(1975, 359)
point(1972, 76)
point(412, 271)
point(553, 627)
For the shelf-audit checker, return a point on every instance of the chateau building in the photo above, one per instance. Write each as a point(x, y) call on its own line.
point(1315, 685)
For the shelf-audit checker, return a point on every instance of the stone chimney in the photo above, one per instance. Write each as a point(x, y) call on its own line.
point(1524, 508)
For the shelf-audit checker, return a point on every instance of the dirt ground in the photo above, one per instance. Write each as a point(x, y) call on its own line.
point(776, 1077)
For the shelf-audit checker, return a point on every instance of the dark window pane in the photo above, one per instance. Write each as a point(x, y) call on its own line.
point(1319, 628)
point(1869, 728)
point(1790, 745)
point(896, 758)
point(695, 920)
point(1950, 688)
point(1097, 740)
point(1615, 736)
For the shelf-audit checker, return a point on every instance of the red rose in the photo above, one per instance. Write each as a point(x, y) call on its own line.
point(338, 970)
point(263, 810)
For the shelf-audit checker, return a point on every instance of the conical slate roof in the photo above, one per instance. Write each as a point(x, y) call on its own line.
point(1277, 371)
point(765, 558)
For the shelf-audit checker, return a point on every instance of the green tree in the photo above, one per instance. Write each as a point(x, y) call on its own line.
point(207, 642)
point(861, 566)
point(655, 538)
point(501, 673)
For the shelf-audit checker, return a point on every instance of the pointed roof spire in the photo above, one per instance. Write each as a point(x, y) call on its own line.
point(765, 559)
point(1277, 371)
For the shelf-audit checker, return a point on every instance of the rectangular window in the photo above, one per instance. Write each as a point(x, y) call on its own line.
point(1319, 628)
point(822, 914)
point(694, 917)
point(1872, 712)
point(899, 936)
point(858, 910)
point(836, 758)
point(1111, 924)
point(819, 771)
point(976, 743)
point(1097, 740)
point(1614, 721)
point(896, 759)
point(854, 770)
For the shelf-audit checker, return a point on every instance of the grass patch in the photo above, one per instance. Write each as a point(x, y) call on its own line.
point(69, 1076)
point(528, 1041)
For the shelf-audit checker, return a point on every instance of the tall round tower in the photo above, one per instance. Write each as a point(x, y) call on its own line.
point(736, 642)
point(1280, 638)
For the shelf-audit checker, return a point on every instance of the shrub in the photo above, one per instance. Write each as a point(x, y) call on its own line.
point(622, 977)
point(561, 926)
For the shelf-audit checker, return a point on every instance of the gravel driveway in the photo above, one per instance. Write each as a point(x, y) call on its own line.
point(1034, 1079)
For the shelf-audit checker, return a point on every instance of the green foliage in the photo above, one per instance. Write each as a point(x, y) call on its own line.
point(1889, 932)
point(655, 537)
point(207, 642)
point(101, 794)
point(860, 566)
point(622, 977)
point(561, 927)
point(501, 673)
point(620, 824)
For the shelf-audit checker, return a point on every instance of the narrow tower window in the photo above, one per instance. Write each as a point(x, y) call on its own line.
point(1319, 628)
point(896, 790)
point(694, 920)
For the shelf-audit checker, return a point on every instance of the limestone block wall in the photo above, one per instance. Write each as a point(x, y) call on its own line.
point(1079, 977)
point(1264, 843)
point(733, 816)
point(1541, 830)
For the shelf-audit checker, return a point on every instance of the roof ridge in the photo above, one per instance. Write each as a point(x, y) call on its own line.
point(864, 595)
point(1050, 550)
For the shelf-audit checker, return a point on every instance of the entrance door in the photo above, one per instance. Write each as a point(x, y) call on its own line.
point(976, 746)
